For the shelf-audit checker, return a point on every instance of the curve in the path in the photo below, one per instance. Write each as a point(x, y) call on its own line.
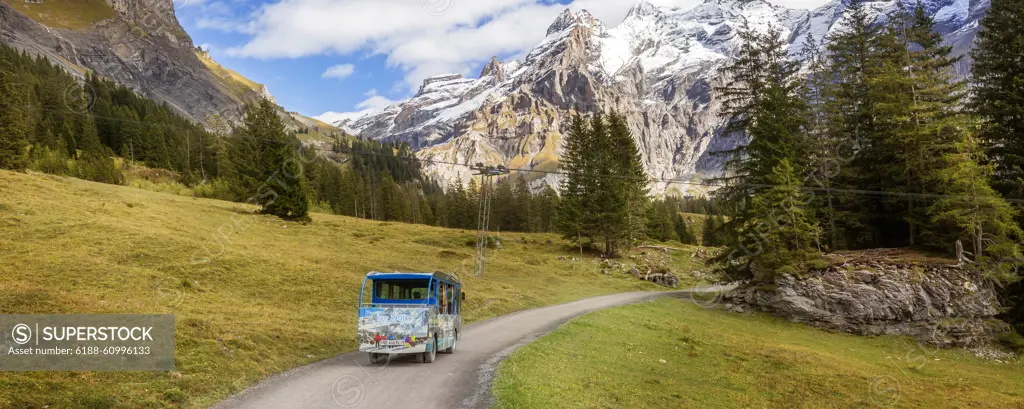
point(459, 380)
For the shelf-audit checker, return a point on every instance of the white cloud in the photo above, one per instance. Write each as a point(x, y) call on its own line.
point(372, 104)
point(224, 16)
point(415, 35)
point(409, 33)
point(186, 3)
point(339, 71)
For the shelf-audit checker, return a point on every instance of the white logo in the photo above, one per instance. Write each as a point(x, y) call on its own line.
point(347, 391)
point(437, 7)
point(21, 334)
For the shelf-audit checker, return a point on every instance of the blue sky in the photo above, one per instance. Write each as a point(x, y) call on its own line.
point(353, 56)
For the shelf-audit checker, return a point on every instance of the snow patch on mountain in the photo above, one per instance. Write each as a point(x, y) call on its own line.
point(658, 66)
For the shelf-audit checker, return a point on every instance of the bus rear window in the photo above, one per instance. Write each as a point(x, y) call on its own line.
point(400, 289)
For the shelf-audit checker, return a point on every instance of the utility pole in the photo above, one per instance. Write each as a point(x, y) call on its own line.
point(487, 174)
point(188, 154)
point(202, 152)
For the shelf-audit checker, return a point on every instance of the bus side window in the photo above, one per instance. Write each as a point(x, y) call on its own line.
point(458, 300)
point(444, 299)
point(451, 296)
point(437, 295)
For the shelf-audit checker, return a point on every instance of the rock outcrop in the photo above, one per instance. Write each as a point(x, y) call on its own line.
point(934, 302)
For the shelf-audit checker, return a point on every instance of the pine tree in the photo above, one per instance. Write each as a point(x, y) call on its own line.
point(938, 125)
point(576, 183)
point(522, 205)
point(13, 126)
point(825, 151)
point(713, 231)
point(787, 233)
point(503, 211)
point(630, 179)
point(998, 79)
point(971, 209)
point(684, 232)
point(604, 187)
point(389, 197)
point(851, 58)
point(607, 203)
point(894, 150)
point(545, 205)
point(763, 101)
point(266, 168)
point(661, 225)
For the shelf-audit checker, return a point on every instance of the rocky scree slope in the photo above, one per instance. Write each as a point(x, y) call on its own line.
point(659, 67)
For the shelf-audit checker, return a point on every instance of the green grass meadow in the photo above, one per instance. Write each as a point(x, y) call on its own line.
point(672, 353)
point(252, 295)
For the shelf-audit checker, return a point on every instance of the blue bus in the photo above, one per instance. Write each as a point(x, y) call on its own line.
point(409, 313)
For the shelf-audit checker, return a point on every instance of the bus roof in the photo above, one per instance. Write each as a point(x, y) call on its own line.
point(397, 275)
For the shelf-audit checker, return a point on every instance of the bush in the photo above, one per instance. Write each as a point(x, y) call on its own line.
point(320, 207)
point(46, 160)
point(98, 168)
point(1012, 341)
point(217, 189)
point(173, 188)
point(94, 166)
point(492, 242)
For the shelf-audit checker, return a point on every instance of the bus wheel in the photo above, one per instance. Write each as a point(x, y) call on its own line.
point(451, 349)
point(377, 358)
point(428, 357)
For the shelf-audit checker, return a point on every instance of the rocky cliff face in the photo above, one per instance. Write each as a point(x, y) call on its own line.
point(934, 302)
point(141, 45)
point(658, 67)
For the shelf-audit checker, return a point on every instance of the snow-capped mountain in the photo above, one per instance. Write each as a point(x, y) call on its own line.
point(659, 67)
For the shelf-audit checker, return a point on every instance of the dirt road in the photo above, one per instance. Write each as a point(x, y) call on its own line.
point(459, 380)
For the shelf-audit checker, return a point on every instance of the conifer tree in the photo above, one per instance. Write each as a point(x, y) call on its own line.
point(763, 101)
point(998, 93)
point(713, 232)
point(630, 179)
point(544, 209)
point(684, 231)
point(825, 152)
point(267, 170)
point(13, 129)
point(576, 182)
point(971, 209)
point(851, 58)
point(522, 205)
point(938, 129)
point(661, 225)
point(787, 232)
point(604, 187)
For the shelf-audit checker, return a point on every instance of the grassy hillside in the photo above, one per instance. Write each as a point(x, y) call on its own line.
point(70, 14)
point(244, 89)
point(673, 354)
point(314, 129)
point(253, 295)
point(239, 85)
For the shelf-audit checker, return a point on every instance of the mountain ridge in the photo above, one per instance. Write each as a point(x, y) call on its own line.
point(658, 67)
point(139, 44)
